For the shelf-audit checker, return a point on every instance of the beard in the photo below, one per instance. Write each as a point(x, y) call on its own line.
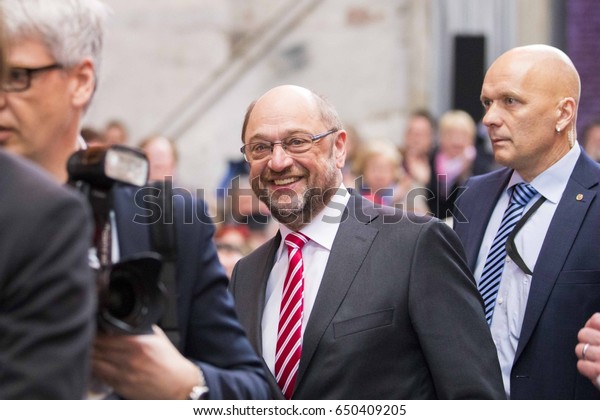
point(297, 209)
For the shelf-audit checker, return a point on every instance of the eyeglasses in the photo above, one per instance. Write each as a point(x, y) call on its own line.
point(294, 145)
point(19, 78)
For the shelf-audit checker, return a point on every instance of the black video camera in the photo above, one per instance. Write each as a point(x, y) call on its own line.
point(131, 297)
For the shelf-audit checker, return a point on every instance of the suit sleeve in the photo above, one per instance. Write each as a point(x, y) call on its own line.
point(447, 313)
point(47, 303)
point(216, 340)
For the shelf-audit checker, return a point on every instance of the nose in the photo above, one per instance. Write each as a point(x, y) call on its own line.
point(491, 116)
point(279, 159)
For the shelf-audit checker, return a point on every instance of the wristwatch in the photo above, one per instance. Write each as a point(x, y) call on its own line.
point(199, 391)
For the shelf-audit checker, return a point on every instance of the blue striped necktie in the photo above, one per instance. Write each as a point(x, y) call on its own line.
point(489, 282)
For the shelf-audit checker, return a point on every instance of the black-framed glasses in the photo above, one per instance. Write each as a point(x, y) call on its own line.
point(19, 78)
point(293, 145)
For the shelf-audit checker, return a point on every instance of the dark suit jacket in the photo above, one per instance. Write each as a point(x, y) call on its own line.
point(47, 291)
point(565, 289)
point(397, 315)
point(210, 333)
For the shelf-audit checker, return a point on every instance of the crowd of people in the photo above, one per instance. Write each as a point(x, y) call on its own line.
point(339, 266)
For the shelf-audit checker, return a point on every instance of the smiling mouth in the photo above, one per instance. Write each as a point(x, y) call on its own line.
point(285, 181)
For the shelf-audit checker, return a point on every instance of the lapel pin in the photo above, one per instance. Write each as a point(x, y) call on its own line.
point(579, 197)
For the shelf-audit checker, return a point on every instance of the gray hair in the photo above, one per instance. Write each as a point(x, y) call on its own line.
point(72, 30)
point(329, 114)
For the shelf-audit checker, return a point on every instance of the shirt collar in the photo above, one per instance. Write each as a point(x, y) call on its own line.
point(552, 182)
point(323, 227)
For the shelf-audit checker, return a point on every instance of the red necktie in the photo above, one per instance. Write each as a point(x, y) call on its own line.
point(289, 335)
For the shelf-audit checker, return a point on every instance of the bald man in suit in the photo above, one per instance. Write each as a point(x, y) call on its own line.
point(550, 280)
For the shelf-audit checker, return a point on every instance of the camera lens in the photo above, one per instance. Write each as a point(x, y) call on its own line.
point(133, 296)
point(122, 299)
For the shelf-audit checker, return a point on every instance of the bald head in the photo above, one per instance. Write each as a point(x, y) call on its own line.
point(293, 92)
point(530, 95)
point(286, 100)
point(550, 69)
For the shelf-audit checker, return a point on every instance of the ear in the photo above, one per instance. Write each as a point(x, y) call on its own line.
point(566, 113)
point(339, 149)
point(84, 83)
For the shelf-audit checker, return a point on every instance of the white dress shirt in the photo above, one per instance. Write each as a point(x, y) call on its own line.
point(321, 231)
point(515, 284)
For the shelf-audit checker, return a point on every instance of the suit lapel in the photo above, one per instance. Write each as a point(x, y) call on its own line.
point(257, 292)
point(559, 239)
point(350, 247)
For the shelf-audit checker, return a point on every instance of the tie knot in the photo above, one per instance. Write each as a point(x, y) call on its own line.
point(296, 240)
point(522, 193)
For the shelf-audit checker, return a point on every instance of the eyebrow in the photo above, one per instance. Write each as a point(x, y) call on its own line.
point(288, 133)
point(509, 93)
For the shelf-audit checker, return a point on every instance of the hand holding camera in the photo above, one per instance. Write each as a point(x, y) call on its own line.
point(143, 366)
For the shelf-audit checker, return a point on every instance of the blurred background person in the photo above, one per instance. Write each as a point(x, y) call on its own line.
point(354, 144)
point(453, 161)
point(383, 179)
point(418, 144)
point(162, 156)
point(232, 244)
point(245, 209)
point(116, 132)
point(591, 139)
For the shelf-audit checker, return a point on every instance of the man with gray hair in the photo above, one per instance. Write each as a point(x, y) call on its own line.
point(46, 287)
point(54, 54)
point(54, 62)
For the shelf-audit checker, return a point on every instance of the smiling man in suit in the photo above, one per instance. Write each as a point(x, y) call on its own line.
point(349, 300)
point(540, 280)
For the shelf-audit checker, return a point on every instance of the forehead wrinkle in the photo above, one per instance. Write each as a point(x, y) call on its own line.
point(274, 119)
point(284, 104)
